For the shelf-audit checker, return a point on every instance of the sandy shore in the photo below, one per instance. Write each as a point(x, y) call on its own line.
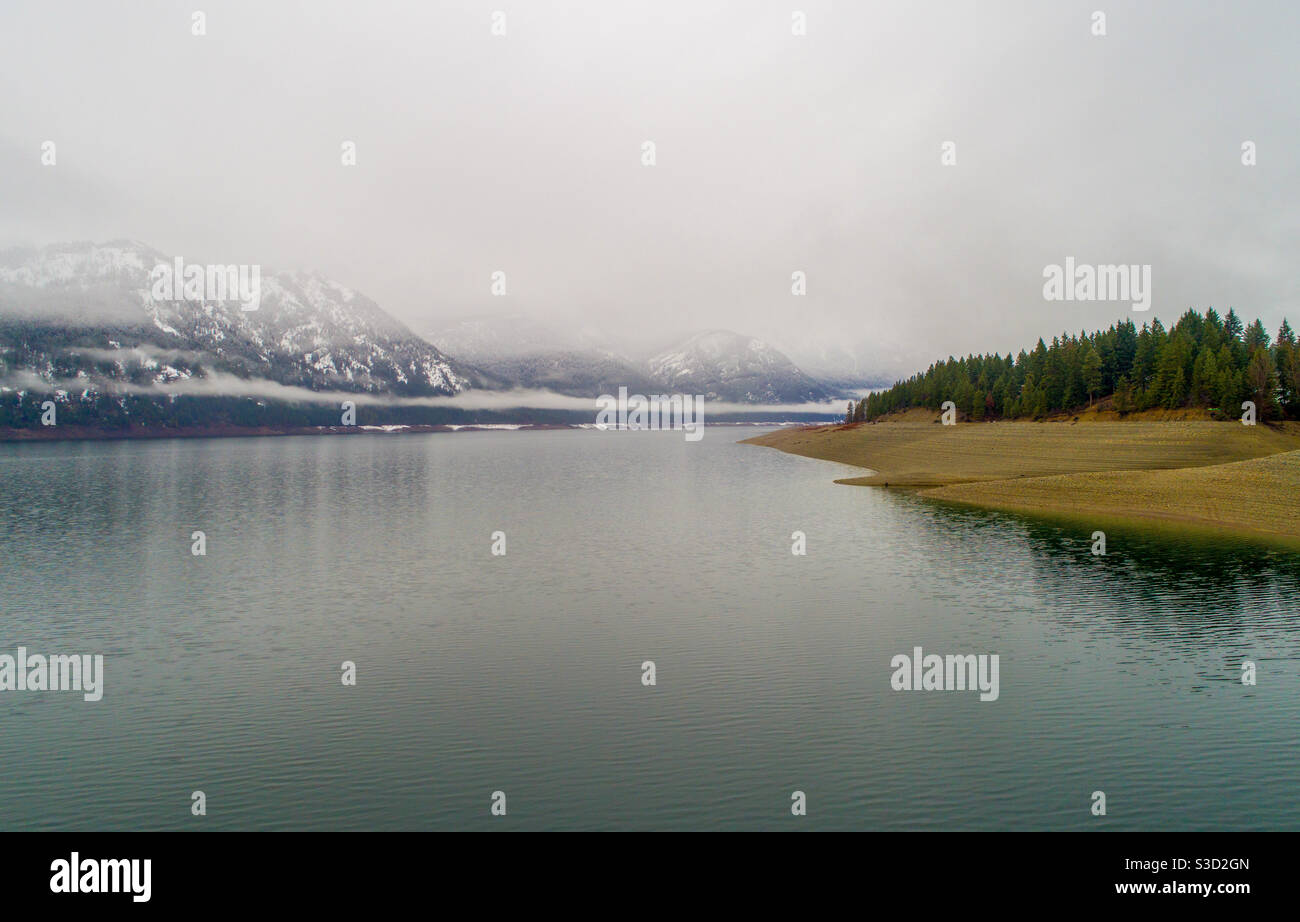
point(1190, 475)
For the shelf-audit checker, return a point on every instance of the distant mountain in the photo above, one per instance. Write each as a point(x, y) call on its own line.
point(724, 365)
point(87, 325)
point(529, 354)
point(87, 312)
point(720, 364)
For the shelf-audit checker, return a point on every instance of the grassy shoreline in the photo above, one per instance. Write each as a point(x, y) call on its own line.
point(1182, 475)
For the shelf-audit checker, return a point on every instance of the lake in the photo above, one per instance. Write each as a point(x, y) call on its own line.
point(522, 672)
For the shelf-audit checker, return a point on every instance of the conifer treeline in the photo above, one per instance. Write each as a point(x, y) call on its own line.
point(1202, 361)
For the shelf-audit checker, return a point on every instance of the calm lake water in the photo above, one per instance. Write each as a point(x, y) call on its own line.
point(522, 673)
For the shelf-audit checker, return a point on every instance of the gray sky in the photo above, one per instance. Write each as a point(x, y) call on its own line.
point(775, 152)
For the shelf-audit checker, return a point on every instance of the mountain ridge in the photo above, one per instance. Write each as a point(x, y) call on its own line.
point(308, 331)
point(720, 364)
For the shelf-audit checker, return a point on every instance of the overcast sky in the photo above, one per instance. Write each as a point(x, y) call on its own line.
point(775, 153)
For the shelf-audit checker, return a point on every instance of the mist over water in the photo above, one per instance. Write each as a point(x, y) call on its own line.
point(522, 673)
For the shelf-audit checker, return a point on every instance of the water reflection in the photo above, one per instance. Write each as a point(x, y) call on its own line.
point(523, 672)
point(1212, 601)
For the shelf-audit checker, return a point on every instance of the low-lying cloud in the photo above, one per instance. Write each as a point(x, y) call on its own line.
point(220, 384)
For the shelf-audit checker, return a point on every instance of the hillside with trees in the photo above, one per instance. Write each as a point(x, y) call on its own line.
point(1203, 361)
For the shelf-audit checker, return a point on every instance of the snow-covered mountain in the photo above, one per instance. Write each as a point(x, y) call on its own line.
point(67, 308)
point(720, 364)
point(83, 316)
point(723, 365)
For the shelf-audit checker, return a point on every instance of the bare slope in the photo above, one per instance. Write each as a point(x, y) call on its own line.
point(1217, 475)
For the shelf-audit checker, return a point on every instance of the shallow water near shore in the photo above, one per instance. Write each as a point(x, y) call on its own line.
point(1173, 538)
point(479, 673)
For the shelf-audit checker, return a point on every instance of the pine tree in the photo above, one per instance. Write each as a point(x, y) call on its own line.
point(1144, 360)
point(1290, 378)
point(1092, 373)
point(1228, 390)
point(1261, 379)
point(1285, 334)
point(1232, 325)
point(1256, 337)
point(1285, 358)
point(1123, 395)
point(1202, 361)
point(1205, 378)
